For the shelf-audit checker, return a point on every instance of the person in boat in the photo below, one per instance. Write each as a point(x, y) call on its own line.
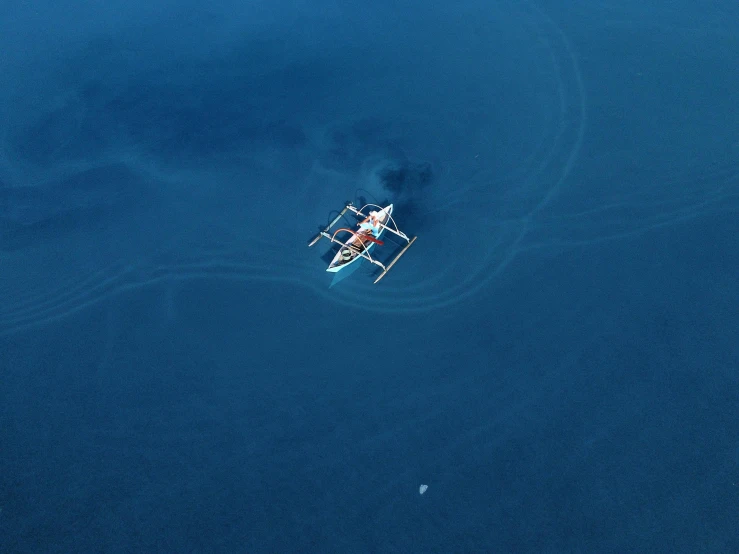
point(372, 224)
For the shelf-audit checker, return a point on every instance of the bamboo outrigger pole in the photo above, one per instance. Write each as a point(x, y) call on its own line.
point(391, 264)
point(326, 230)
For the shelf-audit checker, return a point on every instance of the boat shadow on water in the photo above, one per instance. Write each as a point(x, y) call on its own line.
point(341, 275)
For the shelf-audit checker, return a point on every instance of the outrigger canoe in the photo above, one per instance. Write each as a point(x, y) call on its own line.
point(362, 241)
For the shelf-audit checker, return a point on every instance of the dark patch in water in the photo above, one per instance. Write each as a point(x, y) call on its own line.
point(407, 179)
point(407, 183)
point(172, 109)
point(90, 198)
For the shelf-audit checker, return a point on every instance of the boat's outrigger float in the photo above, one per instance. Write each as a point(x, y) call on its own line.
point(361, 242)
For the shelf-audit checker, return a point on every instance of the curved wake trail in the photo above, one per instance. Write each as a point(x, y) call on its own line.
point(479, 218)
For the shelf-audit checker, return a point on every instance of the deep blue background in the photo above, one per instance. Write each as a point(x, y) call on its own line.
point(557, 356)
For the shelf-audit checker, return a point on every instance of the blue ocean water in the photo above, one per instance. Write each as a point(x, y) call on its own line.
point(556, 357)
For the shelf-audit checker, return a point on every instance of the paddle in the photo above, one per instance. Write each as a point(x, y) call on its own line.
point(372, 239)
